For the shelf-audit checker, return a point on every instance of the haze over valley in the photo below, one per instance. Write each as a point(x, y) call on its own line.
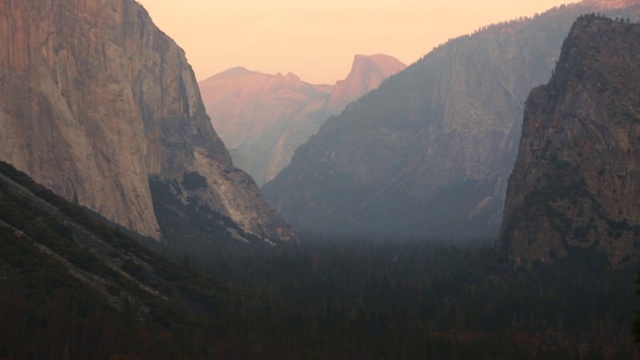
point(474, 200)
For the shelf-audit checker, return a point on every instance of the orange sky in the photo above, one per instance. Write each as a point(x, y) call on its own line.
point(316, 40)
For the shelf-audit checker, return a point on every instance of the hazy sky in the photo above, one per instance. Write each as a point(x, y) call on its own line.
point(317, 39)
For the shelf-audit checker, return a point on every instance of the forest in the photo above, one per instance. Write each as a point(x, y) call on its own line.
point(319, 298)
point(406, 299)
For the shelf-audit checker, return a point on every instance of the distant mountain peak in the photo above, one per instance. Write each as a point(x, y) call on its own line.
point(367, 73)
point(429, 153)
point(238, 70)
point(385, 64)
point(291, 77)
point(265, 117)
point(383, 61)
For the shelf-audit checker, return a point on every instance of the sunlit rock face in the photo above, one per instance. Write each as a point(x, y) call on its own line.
point(95, 101)
point(429, 153)
point(367, 73)
point(264, 118)
point(576, 179)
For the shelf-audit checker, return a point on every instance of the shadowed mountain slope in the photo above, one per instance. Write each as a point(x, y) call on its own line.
point(74, 286)
point(575, 182)
point(429, 152)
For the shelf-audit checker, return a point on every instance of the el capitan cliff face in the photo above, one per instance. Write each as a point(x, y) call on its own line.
point(576, 179)
point(95, 102)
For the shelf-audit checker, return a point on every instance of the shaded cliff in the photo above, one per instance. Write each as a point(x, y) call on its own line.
point(96, 102)
point(264, 118)
point(575, 182)
point(430, 151)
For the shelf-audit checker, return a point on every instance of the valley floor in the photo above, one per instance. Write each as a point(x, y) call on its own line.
point(364, 299)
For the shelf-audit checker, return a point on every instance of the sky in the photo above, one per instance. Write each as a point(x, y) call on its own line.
point(317, 39)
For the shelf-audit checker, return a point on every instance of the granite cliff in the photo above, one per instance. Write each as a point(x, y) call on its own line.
point(367, 73)
point(98, 104)
point(429, 152)
point(263, 118)
point(575, 183)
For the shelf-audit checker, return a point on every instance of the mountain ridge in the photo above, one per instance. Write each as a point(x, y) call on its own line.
point(263, 118)
point(366, 74)
point(429, 152)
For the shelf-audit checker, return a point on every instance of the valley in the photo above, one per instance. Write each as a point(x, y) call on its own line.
point(480, 203)
point(264, 118)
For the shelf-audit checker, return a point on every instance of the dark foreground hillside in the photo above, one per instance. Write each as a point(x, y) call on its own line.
point(74, 287)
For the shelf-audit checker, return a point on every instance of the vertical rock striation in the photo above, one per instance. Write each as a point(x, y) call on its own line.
point(576, 181)
point(430, 151)
point(95, 102)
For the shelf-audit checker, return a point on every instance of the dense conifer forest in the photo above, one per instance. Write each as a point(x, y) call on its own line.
point(408, 299)
point(322, 298)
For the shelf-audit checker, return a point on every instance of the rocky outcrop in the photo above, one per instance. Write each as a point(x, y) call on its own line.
point(367, 73)
point(264, 118)
point(428, 153)
point(95, 101)
point(575, 183)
